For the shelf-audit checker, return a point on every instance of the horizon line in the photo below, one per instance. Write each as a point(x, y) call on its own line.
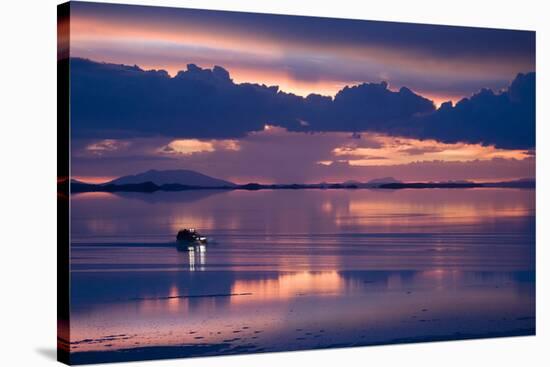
point(347, 182)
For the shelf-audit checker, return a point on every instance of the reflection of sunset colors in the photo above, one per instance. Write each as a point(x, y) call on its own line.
point(311, 219)
point(379, 211)
point(375, 212)
point(300, 269)
point(287, 286)
point(384, 303)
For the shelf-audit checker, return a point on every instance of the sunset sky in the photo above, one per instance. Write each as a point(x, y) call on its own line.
point(393, 126)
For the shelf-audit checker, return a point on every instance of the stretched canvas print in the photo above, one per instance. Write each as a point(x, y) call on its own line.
point(240, 183)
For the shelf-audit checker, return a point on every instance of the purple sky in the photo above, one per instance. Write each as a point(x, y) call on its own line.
point(302, 55)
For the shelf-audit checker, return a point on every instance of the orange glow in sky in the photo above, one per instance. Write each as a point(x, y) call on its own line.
point(94, 179)
point(301, 56)
point(396, 150)
point(266, 59)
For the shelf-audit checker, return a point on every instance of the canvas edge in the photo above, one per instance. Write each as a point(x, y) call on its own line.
point(63, 184)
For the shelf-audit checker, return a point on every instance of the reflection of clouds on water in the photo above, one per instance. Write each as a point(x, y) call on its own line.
point(158, 216)
point(180, 197)
point(289, 285)
point(178, 307)
point(363, 266)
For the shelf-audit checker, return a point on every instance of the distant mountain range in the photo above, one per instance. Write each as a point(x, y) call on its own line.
point(181, 180)
point(523, 183)
point(168, 177)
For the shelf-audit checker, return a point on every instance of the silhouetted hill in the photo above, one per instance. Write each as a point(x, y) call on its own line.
point(430, 185)
point(523, 183)
point(520, 184)
point(171, 177)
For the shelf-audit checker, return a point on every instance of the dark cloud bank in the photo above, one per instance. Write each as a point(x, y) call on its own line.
point(117, 101)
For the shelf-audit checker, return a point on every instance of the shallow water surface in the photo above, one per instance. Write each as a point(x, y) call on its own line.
point(298, 269)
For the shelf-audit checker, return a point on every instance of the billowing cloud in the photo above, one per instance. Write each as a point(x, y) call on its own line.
point(116, 101)
point(304, 55)
point(367, 106)
point(504, 119)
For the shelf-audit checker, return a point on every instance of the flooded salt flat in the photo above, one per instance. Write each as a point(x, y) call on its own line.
point(298, 269)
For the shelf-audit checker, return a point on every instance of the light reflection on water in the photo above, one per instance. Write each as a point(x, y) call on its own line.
point(301, 269)
point(197, 257)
